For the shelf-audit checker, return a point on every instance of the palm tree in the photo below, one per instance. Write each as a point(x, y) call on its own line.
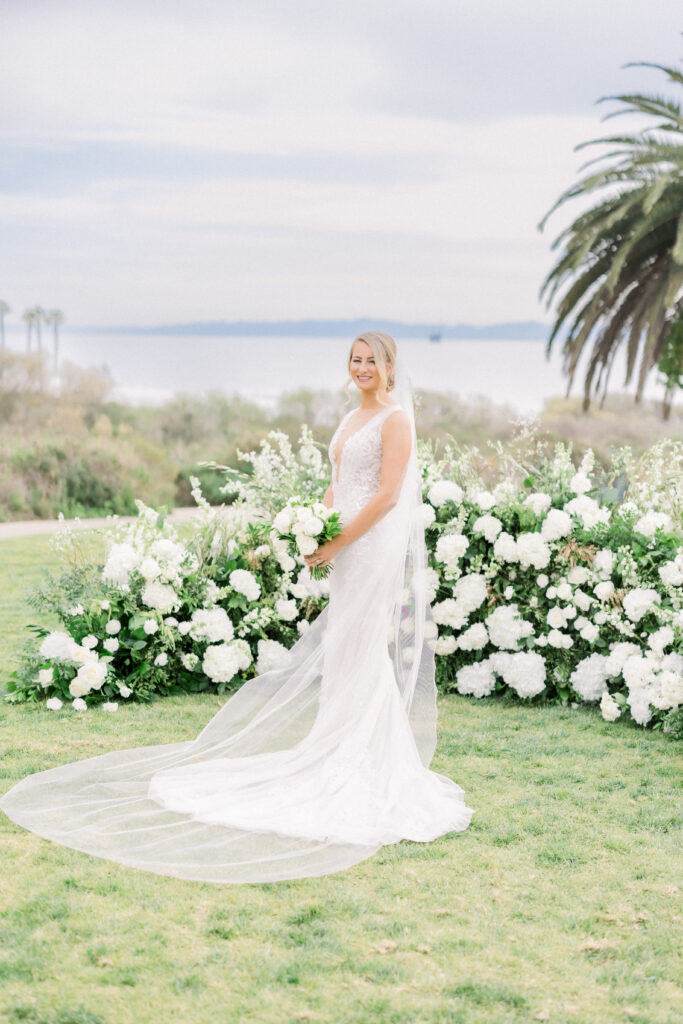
point(39, 320)
point(55, 317)
point(29, 319)
point(622, 260)
point(4, 309)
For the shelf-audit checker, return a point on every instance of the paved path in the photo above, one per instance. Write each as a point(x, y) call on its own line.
point(32, 526)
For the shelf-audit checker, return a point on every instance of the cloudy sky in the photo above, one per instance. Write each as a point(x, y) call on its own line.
point(181, 160)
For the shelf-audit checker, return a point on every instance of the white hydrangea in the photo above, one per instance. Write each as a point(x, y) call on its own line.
point(110, 707)
point(53, 704)
point(57, 646)
point(484, 499)
point(583, 600)
point(449, 613)
point(121, 560)
point(561, 641)
point(286, 610)
point(442, 491)
point(90, 676)
point(638, 672)
point(506, 628)
point(470, 592)
point(212, 624)
point(579, 483)
point(671, 573)
point(149, 568)
point(661, 638)
point(538, 502)
point(46, 677)
point(244, 582)
point(477, 680)
point(150, 626)
point(578, 575)
point(283, 520)
point(160, 596)
point(618, 655)
point(604, 590)
point(556, 617)
point(589, 678)
point(542, 581)
point(639, 702)
point(609, 707)
point(223, 661)
point(651, 522)
point(306, 544)
point(427, 515)
point(78, 704)
point(505, 548)
point(474, 638)
point(489, 526)
point(450, 548)
point(557, 524)
point(603, 562)
point(564, 592)
point(638, 602)
point(189, 661)
point(669, 690)
point(589, 632)
point(524, 672)
point(532, 550)
point(588, 511)
point(271, 655)
point(445, 645)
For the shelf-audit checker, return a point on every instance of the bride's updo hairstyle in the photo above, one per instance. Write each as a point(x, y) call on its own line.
point(383, 348)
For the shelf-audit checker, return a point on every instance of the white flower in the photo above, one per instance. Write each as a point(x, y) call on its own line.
point(306, 544)
point(302, 626)
point(110, 706)
point(589, 632)
point(638, 671)
point(588, 511)
point(670, 686)
point(564, 592)
point(286, 563)
point(609, 707)
point(121, 561)
point(559, 640)
point(150, 626)
point(246, 583)
point(445, 645)
point(189, 661)
point(618, 655)
point(506, 628)
point(639, 602)
point(579, 484)
point(478, 679)
point(600, 618)
point(603, 562)
point(474, 638)
point(444, 490)
point(427, 515)
point(582, 600)
point(56, 646)
point(184, 628)
point(449, 613)
point(170, 620)
point(78, 704)
point(489, 526)
point(271, 655)
point(161, 659)
point(524, 671)
point(45, 677)
point(589, 678)
point(660, 639)
point(223, 661)
point(76, 610)
point(283, 520)
point(286, 610)
point(90, 676)
point(604, 590)
point(579, 575)
point(113, 627)
point(651, 522)
point(639, 703)
point(124, 690)
point(542, 581)
point(485, 500)
point(450, 548)
point(105, 606)
point(532, 550)
point(508, 593)
point(538, 503)
point(671, 573)
point(505, 548)
point(557, 524)
point(111, 645)
point(149, 568)
point(556, 617)
point(89, 642)
point(212, 624)
point(470, 591)
point(53, 703)
point(160, 596)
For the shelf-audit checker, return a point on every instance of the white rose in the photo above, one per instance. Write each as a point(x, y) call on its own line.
point(283, 520)
point(89, 642)
point(124, 690)
point(306, 544)
point(161, 659)
point(604, 590)
point(150, 626)
point(542, 581)
point(45, 677)
point(590, 632)
point(111, 645)
point(286, 610)
point(564, 592)
point(113, 627)
point(579, 575)
point(443, 491)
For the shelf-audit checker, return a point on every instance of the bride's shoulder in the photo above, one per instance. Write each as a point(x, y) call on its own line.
point(395, 422)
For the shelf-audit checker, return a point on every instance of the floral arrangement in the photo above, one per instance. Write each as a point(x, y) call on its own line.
point(303, 526)
point(547, 580)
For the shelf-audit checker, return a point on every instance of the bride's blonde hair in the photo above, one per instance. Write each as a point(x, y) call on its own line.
point(383, 348)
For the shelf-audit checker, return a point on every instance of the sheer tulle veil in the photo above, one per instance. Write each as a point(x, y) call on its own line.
point(229, 805)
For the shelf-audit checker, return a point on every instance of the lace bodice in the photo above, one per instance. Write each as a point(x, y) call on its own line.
point(356, 461)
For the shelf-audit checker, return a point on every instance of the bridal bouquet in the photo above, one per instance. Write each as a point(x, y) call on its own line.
point(305, 525)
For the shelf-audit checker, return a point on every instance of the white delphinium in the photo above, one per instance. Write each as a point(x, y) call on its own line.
point(223, 661)
point(474, 638)
point(609, 708)
point(638, 602)
point(57, 646)
point(532, 550)
point(505, 548)
point(445, 644)
point(212, 624)
point(557, 524)
point(539, 503)
point(450, 548)
point(651, 522)
point(244, 582)
point(589, 678)
point(523, 671)
point(443, 491)
point(271, 655)
point(121, 560)
point(286, 610)
point(489, 526)
point(477, 680)
point(506, 628)
point(160, 596)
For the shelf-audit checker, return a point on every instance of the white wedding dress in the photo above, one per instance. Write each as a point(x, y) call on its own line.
point(306, 769)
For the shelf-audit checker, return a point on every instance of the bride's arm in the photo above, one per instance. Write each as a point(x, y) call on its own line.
point(328, 497)
point(396, 444)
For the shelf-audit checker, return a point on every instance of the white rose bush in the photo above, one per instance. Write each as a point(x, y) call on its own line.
point(548, 581)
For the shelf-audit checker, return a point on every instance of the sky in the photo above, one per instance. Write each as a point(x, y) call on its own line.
point(165, 162)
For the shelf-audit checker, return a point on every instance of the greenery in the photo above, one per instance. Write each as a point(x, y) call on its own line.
point(622, 259)
point(558, 903)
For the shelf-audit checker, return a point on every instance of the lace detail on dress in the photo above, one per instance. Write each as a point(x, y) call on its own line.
point(357, 477)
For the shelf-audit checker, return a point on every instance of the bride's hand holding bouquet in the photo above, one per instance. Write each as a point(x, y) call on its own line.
point(313, 530)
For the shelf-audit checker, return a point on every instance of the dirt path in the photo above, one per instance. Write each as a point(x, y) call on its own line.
point(33, 526)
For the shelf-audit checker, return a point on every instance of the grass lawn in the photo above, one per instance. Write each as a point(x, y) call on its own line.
point(560, 902)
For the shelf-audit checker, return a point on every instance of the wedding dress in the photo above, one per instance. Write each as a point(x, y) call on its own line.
point(308, 768)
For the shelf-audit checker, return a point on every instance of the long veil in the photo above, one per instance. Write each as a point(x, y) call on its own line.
point(258, 741)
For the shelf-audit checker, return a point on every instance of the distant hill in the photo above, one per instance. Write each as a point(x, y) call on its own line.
point(526, 330)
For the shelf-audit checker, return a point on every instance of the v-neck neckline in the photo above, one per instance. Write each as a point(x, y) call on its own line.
point(337, 464)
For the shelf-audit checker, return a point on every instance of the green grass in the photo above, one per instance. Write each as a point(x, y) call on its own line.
point(559, 903)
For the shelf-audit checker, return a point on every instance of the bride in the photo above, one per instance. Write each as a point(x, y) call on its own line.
point(313, 766)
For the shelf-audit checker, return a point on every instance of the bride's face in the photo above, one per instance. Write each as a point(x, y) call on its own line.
point(363, 369)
